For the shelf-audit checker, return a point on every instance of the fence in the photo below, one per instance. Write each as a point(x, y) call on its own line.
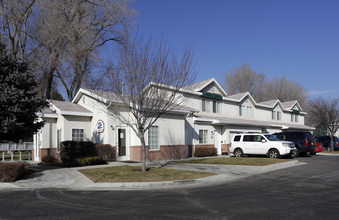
point(12, 147)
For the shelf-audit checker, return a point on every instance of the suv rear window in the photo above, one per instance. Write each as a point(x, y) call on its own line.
point(237, 138)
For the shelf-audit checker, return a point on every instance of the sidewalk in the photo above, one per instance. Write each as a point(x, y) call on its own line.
point(70, 178)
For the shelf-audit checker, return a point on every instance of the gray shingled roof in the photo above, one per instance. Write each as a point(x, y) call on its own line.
point(237, 96)
point(47, 110)
point(110, 96)
point(237, 121)
point(289, 104)
point(69, 106)
point(269, 103)
point(197, 85)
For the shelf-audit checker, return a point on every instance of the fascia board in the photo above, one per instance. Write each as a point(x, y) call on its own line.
point(195, 119)
point(76, 113)
point(48, 115)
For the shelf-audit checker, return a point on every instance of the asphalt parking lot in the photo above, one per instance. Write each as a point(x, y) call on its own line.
point(307, 191)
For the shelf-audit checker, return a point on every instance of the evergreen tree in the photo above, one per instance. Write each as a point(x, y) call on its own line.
point(19, 100)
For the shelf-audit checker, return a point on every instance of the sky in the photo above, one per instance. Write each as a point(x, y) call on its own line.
point(298, 39)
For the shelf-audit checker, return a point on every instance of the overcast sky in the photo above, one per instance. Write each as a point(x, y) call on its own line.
point(298, 39)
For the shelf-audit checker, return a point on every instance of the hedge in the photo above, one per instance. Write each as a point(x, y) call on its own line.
point(106, 152)
point(13, 171)
point(72, 150)
point(204, 151)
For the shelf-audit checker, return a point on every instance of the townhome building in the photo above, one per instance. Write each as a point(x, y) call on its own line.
point(209, 117)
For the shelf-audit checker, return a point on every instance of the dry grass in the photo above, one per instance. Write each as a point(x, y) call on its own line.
point(134, 174)
point(250, 161)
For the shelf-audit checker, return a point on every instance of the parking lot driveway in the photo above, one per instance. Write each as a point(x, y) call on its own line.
point(308, 191)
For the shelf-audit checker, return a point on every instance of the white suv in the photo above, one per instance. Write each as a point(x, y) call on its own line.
point(261, 144)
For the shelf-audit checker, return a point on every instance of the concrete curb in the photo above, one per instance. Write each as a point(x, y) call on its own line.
point(327, 154)
point(71, 179)
point(228, 176)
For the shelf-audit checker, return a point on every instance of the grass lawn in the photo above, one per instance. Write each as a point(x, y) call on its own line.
point(251, 161)
point(134, 174)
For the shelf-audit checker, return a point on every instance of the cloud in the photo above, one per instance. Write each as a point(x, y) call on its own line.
point(322, 92)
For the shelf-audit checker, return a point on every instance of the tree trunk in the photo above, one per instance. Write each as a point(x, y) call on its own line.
point(143, 148)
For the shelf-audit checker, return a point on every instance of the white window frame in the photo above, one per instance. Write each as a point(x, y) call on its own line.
point(296, 118)
point(205, 105)
point(216, 107)
point(83, 137)
point(273, 115)
point(203, 136)
point(153, 138)
point(279, 115)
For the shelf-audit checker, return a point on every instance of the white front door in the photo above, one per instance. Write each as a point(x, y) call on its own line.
point(217, 140)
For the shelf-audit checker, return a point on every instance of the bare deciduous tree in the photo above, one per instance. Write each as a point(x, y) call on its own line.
point(152, 77)
point(63, 36)
point(324, 114)
point(284, 90)
point(244, 79)
point(14, 17)
point(71, 31)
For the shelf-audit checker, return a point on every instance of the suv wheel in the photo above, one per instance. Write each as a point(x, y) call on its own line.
point(297, 152)
point(273, 153)
point(238, 152)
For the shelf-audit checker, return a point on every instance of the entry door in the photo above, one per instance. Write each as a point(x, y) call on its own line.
point(217, 140)
point(122, 142)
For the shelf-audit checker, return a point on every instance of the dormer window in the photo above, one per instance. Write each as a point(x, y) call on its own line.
point(246, 111)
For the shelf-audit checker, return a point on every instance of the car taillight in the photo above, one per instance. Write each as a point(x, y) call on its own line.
point(306, 142)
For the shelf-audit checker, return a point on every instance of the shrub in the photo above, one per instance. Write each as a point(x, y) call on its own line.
point(70, 150)
point(86, 161)
point(13, 171)
point(106, 152)
point(203, 151)
point(50, 159)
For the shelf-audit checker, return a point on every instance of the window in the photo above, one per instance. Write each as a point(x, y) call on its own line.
point(249, 111)
point(273, 115)
point(216, 107)
point(242, 110)
point(296, 118)
point(245, 111)
point(203, 136)
point(153, 143)
point(58, 139)
point(278, 115)
point(205, 105)
point(292, 117)
point(249, 138)
point(77, 134)
point(237, 138)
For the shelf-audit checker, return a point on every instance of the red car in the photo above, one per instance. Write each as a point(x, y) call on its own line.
point(319, 148)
